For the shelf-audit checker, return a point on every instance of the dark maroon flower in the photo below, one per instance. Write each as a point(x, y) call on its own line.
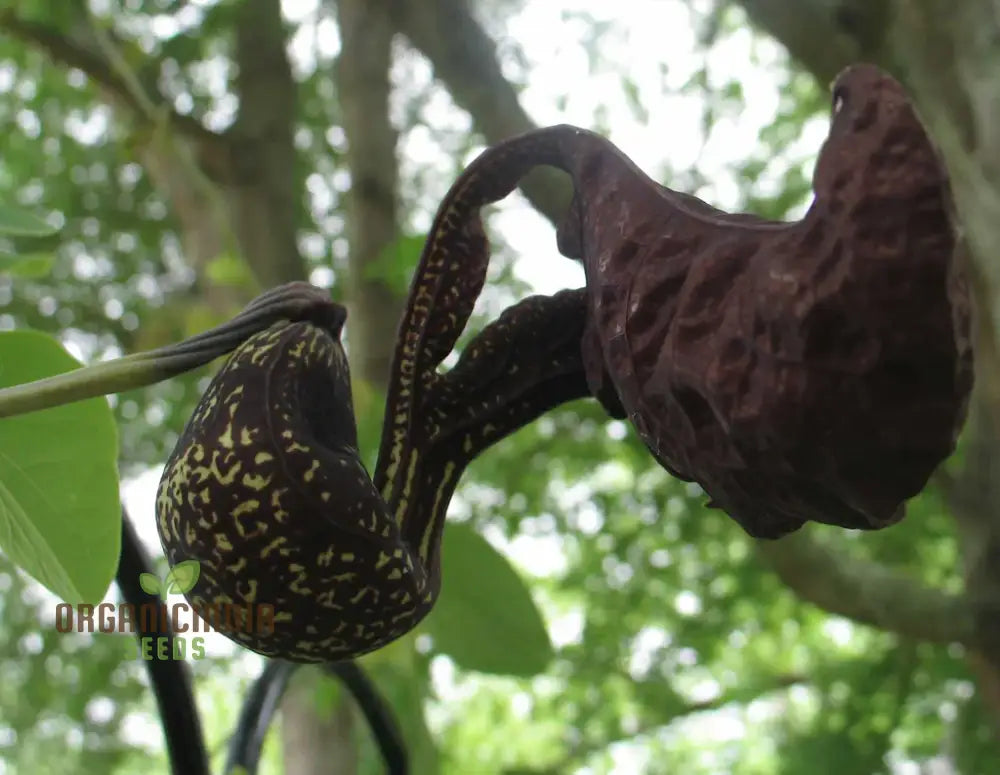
point(812, 370)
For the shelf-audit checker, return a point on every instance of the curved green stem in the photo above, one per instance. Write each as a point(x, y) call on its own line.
point(292, 301)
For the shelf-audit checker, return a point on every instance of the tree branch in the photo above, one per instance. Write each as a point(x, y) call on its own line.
point(183, 158)
point(255, 161)
point(823, 36)
point(464, 58)
point(362, 74)
point(84, 54)
point(676, 709)
point(264, 195)
point(868, 592)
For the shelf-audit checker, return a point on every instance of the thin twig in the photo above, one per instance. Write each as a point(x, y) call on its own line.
point(377, 713)
point(259, 708)
point(158, 115)
point(264, 698)
point(169, 677)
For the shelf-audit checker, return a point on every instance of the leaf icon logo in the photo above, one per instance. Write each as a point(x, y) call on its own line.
point(150, 584)
point(182, 577)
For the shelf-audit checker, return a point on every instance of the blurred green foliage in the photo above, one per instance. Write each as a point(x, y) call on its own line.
point(674, 647)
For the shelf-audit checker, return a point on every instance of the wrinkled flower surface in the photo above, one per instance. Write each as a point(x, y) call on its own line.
point(811, 370)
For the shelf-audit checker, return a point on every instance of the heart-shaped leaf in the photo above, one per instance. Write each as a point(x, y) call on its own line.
point(182, 577)
point(150, 584)
point(485, 618)
point(60, 513)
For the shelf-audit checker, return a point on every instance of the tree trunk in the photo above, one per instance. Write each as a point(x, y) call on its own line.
point(313, 745)
point(313, 741)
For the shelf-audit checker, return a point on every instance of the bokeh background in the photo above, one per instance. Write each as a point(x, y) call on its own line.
point(198, 151)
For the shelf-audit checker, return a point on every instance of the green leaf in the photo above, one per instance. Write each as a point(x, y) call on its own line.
point(326, 692)
point(228, 269)
point(182, 577)
point(31, 266)
point(634, 100)
point(60, 513)
point(369, 407)
point(485, 618)
point(19, 223)
point(150, 584)
point(394, 265)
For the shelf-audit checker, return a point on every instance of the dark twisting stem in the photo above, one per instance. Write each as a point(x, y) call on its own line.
point(169, 678)
point(259, 708)
point(377, 713)
point(264, 698)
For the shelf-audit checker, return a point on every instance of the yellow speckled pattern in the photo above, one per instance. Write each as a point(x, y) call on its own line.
point(266, 490)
